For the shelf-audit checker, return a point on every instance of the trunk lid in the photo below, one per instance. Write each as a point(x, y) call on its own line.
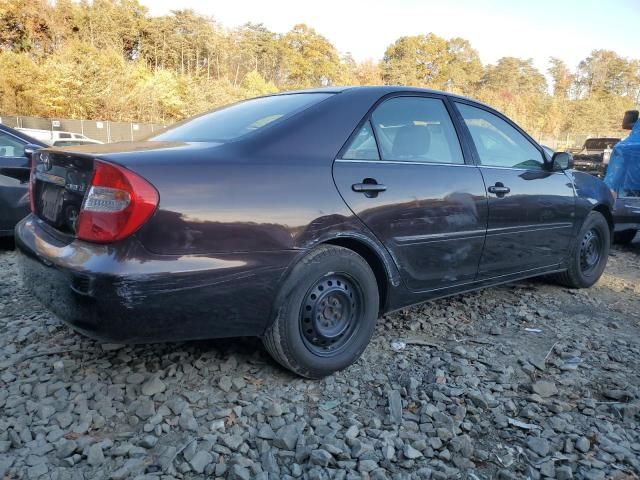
point(60, 183)
point(62, 177)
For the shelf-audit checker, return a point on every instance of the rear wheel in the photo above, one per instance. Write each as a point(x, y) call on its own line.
point(589, 253)
point(326, 313)
point(625, 237)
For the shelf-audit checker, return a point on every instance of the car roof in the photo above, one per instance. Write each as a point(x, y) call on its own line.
point(22, 136)
point(383, 90)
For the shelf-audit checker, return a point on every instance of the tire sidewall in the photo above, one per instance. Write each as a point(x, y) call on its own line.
point(301, 279)
point(594, 220)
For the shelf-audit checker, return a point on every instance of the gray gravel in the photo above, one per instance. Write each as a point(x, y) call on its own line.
point(457, 388)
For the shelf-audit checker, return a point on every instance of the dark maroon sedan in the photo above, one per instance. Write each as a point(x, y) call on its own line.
point(302, 217)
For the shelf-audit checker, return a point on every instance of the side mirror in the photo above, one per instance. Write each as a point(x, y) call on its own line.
point(562, 161)
point(630, 119)
point(29, 148)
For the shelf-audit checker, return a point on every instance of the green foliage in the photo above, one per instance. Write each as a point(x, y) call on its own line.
point(432, 62)
point(310, 59)
point(109, 59)
point(255, 85)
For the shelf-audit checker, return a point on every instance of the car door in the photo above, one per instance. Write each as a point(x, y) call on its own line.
point(403, 173)
point(531, 207)
point(14, 177)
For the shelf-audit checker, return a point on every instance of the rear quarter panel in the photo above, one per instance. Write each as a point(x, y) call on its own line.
point(273, 191)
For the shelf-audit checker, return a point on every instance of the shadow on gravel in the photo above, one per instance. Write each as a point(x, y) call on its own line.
point(6, 243)
point(247, 352)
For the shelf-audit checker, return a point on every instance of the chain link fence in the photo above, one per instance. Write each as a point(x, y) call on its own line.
point(105, 131)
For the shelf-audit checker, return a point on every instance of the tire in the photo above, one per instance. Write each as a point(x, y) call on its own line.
point(625, 237)
point(589, 253)
point(336, 287)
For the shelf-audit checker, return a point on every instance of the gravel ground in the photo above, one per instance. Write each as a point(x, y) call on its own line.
point(527, 380)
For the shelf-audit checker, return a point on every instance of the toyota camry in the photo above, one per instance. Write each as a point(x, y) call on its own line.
point(302, 217)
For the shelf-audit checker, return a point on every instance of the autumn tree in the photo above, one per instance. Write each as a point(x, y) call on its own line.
point(111, 60)
point(309, 59)
point(561, 76)
point(433, 62)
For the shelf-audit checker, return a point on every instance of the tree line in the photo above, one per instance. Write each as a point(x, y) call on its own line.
point(111, 60)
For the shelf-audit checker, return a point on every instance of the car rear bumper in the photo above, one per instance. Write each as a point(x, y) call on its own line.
point(626, 214)
point(122, 293)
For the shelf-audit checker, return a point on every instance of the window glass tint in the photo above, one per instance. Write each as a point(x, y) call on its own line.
point(10, 146)
point(416, 129)
point(498, 143)
point(239, 119)
point(363, 146)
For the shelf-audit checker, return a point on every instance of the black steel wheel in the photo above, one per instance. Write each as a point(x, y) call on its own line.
point(589, 253)
point(325, 313)
point(329, 314)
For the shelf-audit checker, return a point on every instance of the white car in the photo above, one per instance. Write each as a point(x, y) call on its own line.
point(74, 141)
point(57, 138)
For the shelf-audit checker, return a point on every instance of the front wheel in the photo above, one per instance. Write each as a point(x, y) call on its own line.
point(589, 253)
point(325, 314)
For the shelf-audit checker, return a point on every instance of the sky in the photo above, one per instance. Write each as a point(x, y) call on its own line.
point(568, 29)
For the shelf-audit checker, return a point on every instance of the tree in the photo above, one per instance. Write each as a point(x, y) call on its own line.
point(516, 87)
point(367, 73)
point(418, 61)
point(309, 59)
point(111, 60)
point(259, 49)
point(17, 93)
point(561, 76)
point(605, 72)
point(254, 85)
point(433, 62)
point(463, 69)
point(25, 25)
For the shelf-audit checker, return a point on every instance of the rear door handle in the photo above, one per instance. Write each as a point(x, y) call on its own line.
point(499, 189)
point(370, 187)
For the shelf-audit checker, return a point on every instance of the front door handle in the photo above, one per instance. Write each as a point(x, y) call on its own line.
point(370, 187)
point(499, 190)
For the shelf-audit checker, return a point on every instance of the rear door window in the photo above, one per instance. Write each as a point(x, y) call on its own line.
point(363, 145)
point(235, 121)
point(416, 129)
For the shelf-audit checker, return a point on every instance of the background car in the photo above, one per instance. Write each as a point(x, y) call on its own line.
point(301, 217)
point(76, 141)
point(57, 138)
point(594, 155)
point(15, 165)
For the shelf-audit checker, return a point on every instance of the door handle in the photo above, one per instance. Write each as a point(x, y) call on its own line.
point(499, 189)
point(370, 187)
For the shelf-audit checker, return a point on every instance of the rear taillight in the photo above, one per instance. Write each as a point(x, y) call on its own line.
point(117, 203)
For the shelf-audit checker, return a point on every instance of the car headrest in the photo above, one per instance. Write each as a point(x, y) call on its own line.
point(411, 140)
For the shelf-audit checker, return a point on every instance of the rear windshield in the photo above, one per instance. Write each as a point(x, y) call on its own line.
point(600, 143)
point(234, 121)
